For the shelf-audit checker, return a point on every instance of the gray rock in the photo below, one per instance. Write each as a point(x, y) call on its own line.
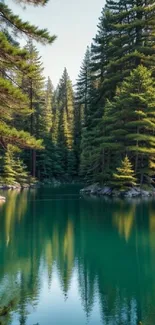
point(105, 191)
point(145, 193)
point(25, 186)
point(2, 198)
point(133, 192)
point(129, 194)
point(92, 189)
point(11, 187)
point(95, 189)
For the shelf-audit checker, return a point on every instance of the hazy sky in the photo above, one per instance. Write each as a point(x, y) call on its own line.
point(74, 22)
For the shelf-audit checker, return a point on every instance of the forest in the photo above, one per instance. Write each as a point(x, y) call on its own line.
point(102, 129)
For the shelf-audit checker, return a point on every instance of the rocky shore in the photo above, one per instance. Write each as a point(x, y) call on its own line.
point(18, 186)
point(96, 189)
point(2, 198)
point(14, 187)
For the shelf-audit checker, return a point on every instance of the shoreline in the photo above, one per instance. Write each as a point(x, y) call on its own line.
point(101, 191)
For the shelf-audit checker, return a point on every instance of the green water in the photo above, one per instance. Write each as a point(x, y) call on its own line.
point(67, 260)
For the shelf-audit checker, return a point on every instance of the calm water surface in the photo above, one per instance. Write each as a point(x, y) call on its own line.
point(67, 260)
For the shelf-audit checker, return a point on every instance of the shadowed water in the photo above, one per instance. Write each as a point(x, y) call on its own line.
point(67, 260)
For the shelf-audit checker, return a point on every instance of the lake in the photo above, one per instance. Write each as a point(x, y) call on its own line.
point(72, 260)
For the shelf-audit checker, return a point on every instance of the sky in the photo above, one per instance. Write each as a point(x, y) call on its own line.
point(75, 24)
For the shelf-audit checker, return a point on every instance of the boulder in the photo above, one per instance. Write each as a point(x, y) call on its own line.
point(145, 193)
point(105, 191)
point(11, 187)
point(2, 198)
point(92, 189)
point(25, 185)
point(133, 192)
point(129, 194)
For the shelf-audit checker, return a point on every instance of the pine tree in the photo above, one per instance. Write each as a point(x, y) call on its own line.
point(48, 166)
point(83, 87)
point(89, 140)
point(32, 84)
point(48, 112)
point(21, 173)
point(65, 137)
point(9, 174)
point(125, 40)
point(82, 99)
point(124, 178)
point(14, 103)
point(134, 124)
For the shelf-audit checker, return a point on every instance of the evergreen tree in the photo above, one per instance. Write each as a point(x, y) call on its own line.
point(125, 40)
point(32, 84)
point(9, 174)
point(14, 103)
point(48, 112)
point(21, 173)
point(89, 142)
point(124, 178)
point(133, 120)
point(48, 166)
point(82, 100)
point(65, 136)
point(83, 87)
point(13, 170)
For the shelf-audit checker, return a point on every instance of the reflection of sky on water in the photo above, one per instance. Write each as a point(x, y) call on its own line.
point(52, 305)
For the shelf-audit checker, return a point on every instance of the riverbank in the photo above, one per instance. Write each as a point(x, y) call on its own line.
point(96, 189)
point(50, 183)
point(17, 187)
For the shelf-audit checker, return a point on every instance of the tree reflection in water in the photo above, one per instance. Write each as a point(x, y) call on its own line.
point(109, 245)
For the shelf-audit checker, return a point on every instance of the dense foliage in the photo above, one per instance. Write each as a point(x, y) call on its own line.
point(120, 115)
point(18, 70)
point(86, 131)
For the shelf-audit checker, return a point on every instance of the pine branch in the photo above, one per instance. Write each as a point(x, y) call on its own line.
point(7, 17)
point(20, 138)
point(33, 2)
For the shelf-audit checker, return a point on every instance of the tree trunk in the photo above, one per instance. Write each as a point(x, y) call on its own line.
point(33, 152)
point(136, 160)
point(33, 163)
